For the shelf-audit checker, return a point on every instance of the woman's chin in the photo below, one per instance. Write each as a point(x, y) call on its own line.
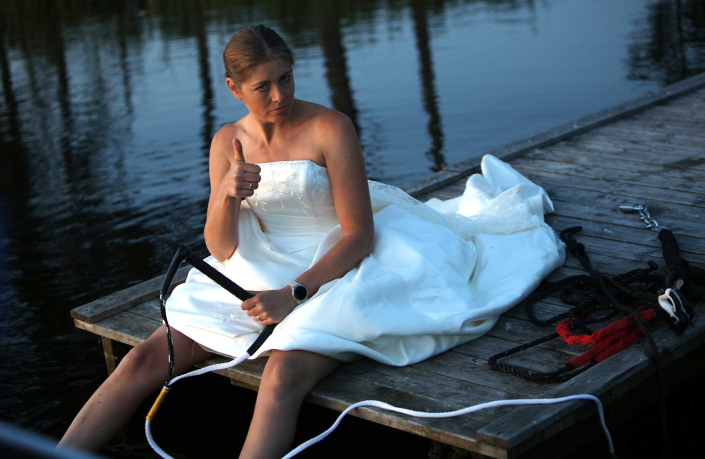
point(282, 112)
point(278, 117)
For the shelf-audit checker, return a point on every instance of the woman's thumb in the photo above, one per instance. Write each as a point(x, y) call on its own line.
point(237, 148)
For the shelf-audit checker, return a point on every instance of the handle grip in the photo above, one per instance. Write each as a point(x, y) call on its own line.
point(179, 257)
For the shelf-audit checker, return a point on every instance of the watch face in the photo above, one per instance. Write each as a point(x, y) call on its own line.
point(300, 292)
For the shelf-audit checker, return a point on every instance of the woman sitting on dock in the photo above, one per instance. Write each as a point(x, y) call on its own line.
point(347, 267)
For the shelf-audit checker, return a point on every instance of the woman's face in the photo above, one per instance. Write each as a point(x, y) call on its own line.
point(269, 91)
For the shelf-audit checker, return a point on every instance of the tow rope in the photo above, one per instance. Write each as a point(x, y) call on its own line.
point(185, 254)
point(607, 342)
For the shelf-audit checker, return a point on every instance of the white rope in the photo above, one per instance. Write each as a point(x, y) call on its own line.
point(153, 443)
point(386, 406)
point(209, 368)
point(200, 371)
point(449, 414)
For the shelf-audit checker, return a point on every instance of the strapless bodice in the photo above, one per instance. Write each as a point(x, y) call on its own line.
point(294, 197)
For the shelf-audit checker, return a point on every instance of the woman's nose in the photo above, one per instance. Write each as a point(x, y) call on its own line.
point(276, 94)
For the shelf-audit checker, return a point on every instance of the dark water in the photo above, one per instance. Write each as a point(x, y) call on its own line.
point(108, 108)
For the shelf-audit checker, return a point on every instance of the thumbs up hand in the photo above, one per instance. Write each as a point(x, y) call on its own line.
point(237, 148)
point(243, 178)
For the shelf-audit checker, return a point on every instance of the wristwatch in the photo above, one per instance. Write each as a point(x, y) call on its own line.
point(298, 292)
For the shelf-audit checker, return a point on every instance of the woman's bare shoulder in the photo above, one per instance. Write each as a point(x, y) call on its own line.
point(334, 128)
point(222, 140)
point(310, 110)
point(336, 138)
point(330, 124)
point(312, 114)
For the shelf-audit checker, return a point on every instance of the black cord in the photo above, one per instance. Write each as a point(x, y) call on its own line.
point(170, 342)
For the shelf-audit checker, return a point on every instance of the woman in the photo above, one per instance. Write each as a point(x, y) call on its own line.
point(346, 267)
point(278, 128)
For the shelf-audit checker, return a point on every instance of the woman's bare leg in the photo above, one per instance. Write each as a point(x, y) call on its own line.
point(287, 378)
point(142, 371)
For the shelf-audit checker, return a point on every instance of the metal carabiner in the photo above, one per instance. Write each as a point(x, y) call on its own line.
point(627, 209)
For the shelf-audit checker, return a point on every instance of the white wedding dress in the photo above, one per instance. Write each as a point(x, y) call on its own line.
point(439, 275)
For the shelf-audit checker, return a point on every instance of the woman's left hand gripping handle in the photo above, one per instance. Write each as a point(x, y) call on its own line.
point(270, 306)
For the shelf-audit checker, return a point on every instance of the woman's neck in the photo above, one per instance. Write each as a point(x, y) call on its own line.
point(270, 131)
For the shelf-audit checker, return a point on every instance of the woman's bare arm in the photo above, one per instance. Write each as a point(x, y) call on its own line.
point(338, 141)
point(229, 177)
point(346, 170)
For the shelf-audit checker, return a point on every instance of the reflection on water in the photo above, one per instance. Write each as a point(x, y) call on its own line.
point(335, 61)
point(430, 100)
point(669, 42)
point(108, 109)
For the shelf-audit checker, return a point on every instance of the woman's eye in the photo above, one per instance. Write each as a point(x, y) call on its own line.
point(286, 78)
point(261, 88)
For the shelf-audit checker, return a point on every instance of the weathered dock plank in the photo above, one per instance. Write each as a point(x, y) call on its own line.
point(125, 299)
point(653, 135)
point(669, 120)
point(623, 162)
point(689, 133)
point(634, 144)
point(605, 173)
point(538, 358)
point(667, 214)
point(680, 110)
point(638, 236)
point(648, 150)
point(627, 190)
point(646, 160)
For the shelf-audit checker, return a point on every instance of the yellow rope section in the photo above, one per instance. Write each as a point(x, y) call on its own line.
point(157, 403)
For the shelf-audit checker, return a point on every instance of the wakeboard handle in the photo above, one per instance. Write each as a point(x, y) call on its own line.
point(184, 253)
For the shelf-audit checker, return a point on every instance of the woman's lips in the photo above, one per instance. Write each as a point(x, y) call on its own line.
point(278, 110)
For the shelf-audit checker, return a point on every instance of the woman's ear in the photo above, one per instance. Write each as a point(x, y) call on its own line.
point(233, 88)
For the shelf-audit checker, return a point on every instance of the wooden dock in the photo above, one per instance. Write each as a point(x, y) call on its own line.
point(650, 150)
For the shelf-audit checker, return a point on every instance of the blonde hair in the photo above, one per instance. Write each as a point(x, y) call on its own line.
point(250, 47)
